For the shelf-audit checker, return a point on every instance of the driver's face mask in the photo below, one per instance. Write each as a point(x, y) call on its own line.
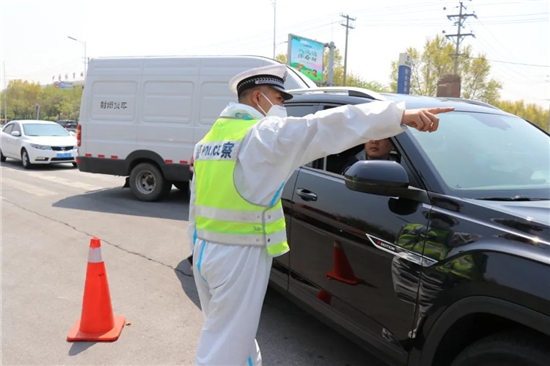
point(275, 110)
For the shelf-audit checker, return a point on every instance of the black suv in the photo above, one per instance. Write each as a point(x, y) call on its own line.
point(439, 256)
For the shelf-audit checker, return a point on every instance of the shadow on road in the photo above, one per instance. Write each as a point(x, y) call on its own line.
point(78, 347)
point(184, 272)
point(121, 201)
point(285, 325)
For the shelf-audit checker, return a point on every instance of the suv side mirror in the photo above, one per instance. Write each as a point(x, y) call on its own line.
point(16, 133)
point(380, 177)
point(383, 178)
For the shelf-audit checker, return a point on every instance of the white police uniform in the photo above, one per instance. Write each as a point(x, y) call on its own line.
point(231, 279)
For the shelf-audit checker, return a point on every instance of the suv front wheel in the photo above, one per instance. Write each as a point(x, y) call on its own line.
point(505, 349)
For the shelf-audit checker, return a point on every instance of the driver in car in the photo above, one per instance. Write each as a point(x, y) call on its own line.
point(374, 150)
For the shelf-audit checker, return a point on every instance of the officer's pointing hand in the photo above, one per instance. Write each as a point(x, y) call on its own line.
point(424, 119)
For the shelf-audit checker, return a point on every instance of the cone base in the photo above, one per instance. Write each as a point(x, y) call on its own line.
point(351, 281)
point(75, 335)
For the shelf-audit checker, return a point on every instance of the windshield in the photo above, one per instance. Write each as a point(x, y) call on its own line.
point(482, 155)
point(38, 129)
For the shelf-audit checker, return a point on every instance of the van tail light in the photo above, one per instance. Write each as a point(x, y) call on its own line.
point(79, 135)
point(191, 164)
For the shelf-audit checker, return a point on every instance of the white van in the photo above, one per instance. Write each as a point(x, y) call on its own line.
point(141, 117)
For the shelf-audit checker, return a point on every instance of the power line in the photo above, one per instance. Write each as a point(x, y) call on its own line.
point(49, 69)
point(509, 62)
point(505, 55)
point(500, 3)
point(391, 9)
point(509, 71)
point(516, 15)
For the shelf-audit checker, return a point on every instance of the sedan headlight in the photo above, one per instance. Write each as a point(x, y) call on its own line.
point(41, 147)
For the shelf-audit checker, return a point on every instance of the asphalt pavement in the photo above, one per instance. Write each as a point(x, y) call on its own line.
point(50, 213)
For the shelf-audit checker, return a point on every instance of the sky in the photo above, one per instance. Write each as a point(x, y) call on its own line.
point(514, 35)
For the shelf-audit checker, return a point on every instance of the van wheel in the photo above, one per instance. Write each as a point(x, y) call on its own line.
point(147, 183)
point(182, 186)
point(75, 165)
point(25, 160)
point(505, 349)
point(2, 157)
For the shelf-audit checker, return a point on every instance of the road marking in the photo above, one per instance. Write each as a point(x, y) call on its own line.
point(113, 179)
point(66, 182)
point(29, 188)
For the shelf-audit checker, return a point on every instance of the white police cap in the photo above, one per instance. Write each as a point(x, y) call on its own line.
point(273, 76)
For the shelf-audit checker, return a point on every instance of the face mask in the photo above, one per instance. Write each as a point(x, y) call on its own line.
point(275, 110)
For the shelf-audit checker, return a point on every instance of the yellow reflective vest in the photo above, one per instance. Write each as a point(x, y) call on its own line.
point(221, 214)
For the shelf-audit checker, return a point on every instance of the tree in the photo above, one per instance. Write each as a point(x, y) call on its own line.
point(22, 96)
point(55, 104)
point(531, 112)
point(60, 104)
point(352, 80)
point(52, 101)
point(435, 61)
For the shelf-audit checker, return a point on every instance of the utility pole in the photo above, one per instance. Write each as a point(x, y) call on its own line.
point(348, 26)
point(459, 36)
point(85, 56)
point(5, 95)
point(1, 103)
point(274, 24)
point(331, 47)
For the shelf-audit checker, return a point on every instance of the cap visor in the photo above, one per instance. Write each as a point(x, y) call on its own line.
point(286, 95)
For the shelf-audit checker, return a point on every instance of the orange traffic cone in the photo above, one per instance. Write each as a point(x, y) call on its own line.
point(342, 269)
point(97, 322)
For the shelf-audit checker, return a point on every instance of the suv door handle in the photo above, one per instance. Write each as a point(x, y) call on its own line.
point(306, 195)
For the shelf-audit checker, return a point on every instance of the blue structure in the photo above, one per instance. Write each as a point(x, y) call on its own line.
point(404, 79)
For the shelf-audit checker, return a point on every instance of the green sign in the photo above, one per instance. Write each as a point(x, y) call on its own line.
point(306, 56)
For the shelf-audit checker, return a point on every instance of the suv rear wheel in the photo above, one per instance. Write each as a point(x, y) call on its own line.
point(505, 349)
point(147, 183)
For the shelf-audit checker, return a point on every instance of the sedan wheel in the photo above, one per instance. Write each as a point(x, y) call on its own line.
point(25, 160)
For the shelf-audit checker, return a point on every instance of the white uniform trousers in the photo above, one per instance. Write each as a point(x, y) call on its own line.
point(231, 281)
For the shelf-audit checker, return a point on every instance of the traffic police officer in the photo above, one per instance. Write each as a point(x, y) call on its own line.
point(236, 222)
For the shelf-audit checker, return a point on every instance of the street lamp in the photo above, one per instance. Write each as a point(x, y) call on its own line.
point(85, 59)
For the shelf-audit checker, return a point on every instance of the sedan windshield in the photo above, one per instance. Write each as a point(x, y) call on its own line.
point(492, 156)
point(39, 129)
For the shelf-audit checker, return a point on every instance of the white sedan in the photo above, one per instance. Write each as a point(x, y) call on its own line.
point(37, 142)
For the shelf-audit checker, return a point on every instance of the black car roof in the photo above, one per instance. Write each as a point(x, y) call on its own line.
point(411, 101)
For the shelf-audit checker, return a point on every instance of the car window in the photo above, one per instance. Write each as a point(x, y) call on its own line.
point(16, 127)
point(8, 128)
point(338, 163)
point(301, 110)
point(481, 155)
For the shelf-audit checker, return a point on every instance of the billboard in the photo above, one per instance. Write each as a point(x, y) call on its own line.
point(306, 56)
